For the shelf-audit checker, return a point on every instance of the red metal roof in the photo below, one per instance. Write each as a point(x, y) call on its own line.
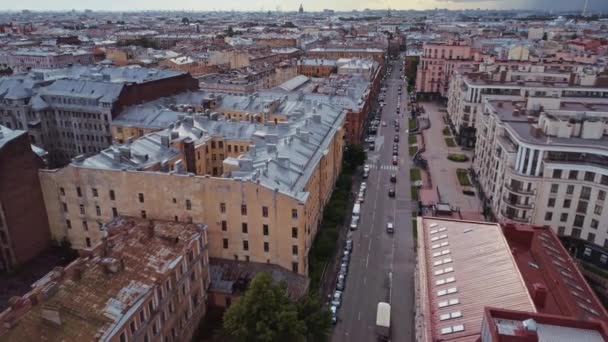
point(547, 267)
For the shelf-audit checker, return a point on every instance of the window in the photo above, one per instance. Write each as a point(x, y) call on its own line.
point(143, 214)
point(244, 227)
point(594, 223)
point(604, 180)
point(578, 220)
point(603, 258)
point(62, 191)
point(98, 210)
point(65, 207)
point(582, 207)
point(557, 174)
point(563, 217)
point(573, 174)
point(294, 232)
point(601, 195)
point(266, 247)
point(294, 213)
point(548, 216)
point(225, 242)
point(82, 209)
point(88, 242)
point(78, 191)
point(586, 192)
point(551, 203)
point(112, 195)
point(123, 337)
point(224, 226)
point(141, 197)
point(245, 245)
point(598, 210)
point(132, 327)
point(142, 316)
point(265, 211)
point(265, 229)
point(591, 237)
point(222, 207)
point(188, 205)
point(294, 267)
point(554, 188)
point(68, 223)
point(561, 230)
point(570, 189)
point(567, 203)
point(243, 209)
point(114, 212)
point(95, 194)
point(589, 176)
point(294, 250)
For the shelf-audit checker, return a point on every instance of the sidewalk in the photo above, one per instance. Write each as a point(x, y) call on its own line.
point(446, 187)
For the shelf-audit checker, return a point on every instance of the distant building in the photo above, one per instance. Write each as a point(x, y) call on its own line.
point(316, 67)
point(145, 281)
point(24, 229)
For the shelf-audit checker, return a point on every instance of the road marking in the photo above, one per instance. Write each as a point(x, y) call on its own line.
point(367, 261)
point(359, 316)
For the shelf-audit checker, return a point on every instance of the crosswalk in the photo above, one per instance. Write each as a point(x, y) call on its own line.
point(384, 167)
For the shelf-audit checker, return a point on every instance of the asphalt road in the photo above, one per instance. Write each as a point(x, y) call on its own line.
point(382, 265)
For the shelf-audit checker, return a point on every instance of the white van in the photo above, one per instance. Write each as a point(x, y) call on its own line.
point(357, 209)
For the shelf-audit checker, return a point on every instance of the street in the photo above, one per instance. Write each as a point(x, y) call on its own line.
point(382, 264)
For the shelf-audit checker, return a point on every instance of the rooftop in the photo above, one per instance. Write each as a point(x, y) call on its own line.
point(465, 266)
point(91, 296)
point(7, 134)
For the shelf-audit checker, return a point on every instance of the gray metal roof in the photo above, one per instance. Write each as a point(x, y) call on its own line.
point(7, 134)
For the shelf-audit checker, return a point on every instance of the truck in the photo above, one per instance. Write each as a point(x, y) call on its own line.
point(383, 321)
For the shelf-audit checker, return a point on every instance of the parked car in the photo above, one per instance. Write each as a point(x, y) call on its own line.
point(395, 160)
point(360, 197)
point(389, 227)
point(363, 185)
point(371, 146)
point(334, 314)
point(395, 153)
point(341, 284)
point(336, 299)
point(391, 192)
point(344, 269)
point(393, 178)
point(349, 245)
point(354, 223)
point(396, 139)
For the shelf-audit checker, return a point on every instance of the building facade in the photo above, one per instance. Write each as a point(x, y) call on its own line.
point(24, 230)
point(545, 166)
point(261, 189)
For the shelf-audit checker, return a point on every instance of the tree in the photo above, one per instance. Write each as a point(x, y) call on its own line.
point(316, 318)
point(545, 37)
point(185, 21)
point(264, 314)
point(354, 156)
point(230, 31)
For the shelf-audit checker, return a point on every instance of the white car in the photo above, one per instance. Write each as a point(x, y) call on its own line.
point(361, 197)
point(337, 299)
point(389, 227)
point(363, 186)
point(354, 223)
point(383, 123)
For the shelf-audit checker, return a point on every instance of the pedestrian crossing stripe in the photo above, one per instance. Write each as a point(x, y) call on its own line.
point(384, 167)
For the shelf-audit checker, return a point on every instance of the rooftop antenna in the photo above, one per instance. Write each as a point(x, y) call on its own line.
point(585, 8)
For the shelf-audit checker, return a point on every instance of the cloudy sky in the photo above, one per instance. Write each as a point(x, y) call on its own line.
point(286, 5)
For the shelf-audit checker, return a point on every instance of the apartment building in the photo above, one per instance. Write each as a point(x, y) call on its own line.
point(542, 162)
point(24, 60)
point(260, 188)
point(438, 62)
point(144, 281)
point(68, 112)
point(514, 80)
point(317, 67)
point(24, 229)
point(375, 54)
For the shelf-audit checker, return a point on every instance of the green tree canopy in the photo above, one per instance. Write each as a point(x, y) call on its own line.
point(266, 314)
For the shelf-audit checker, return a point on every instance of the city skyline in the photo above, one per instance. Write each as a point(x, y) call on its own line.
point(315, 5)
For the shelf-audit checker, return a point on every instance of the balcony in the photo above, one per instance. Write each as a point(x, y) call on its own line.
point(511, 203)
point(520, 191)
point(504, 214)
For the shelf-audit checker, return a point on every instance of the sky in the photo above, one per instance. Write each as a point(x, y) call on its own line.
point(292, 5)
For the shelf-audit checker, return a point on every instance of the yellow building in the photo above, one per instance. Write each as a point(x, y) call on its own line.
point(264, 203)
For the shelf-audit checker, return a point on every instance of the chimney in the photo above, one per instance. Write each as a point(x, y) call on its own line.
point(539, 294)
point(150, 230)
point(111, 265)
point(164, 140)
point(515, 112)
point(51, 314)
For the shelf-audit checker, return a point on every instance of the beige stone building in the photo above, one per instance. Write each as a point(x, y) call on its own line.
point(544, 161)
point(259, 188)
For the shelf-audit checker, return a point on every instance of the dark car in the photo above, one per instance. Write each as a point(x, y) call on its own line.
point(397, 128)
point(393, 178)
point(395, 153)
point(391, 192)
point(396, 139)
point(372, 146)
